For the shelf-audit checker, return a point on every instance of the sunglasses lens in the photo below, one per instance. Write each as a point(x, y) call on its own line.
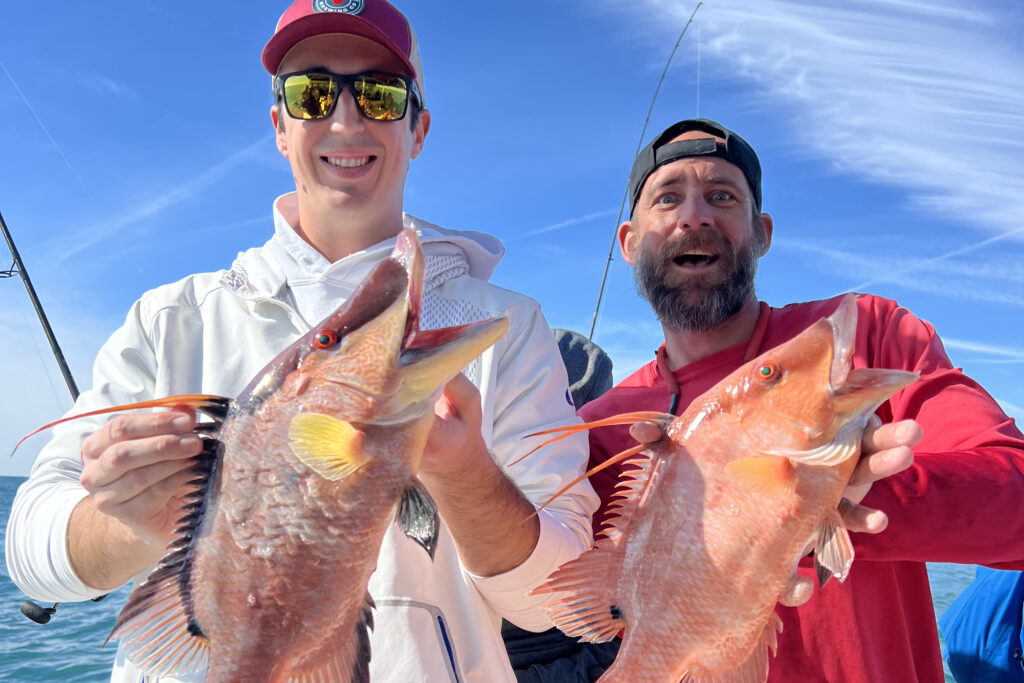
point(382, 98)
point(310, 96)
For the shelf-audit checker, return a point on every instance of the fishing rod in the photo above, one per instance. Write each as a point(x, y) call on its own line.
point(36, 613)
point(639, 144)
point(18, 268)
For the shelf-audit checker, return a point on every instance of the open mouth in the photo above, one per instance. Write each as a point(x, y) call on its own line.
point(357, 162)
point(696, 260)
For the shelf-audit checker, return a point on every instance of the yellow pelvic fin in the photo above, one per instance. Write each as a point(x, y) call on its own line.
point(768, 474)
point(330, 447)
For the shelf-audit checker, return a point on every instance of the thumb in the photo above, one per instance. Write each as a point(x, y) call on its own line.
point(459, 397)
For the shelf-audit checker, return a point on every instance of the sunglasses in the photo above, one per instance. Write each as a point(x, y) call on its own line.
point(312, 95)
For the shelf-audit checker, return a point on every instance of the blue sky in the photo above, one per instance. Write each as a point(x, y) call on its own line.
point(137, 148)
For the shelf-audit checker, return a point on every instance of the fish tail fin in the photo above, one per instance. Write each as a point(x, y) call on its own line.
point(208, 404)
point(590, 611)
point(622, 419)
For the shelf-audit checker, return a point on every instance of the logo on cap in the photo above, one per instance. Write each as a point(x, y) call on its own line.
point(347, 7)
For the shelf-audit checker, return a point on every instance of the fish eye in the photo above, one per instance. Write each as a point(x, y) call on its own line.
point(325, 339)
point(767, 372)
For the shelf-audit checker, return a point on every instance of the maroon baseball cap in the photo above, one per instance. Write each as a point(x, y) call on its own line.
point(376, 20)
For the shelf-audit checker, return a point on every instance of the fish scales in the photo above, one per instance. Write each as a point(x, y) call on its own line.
point(706, 533)
point(320, 531)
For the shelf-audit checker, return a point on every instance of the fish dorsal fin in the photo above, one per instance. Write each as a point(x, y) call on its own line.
point(156, 627)
point(341, 658)
point(631, 490)
point(330, 447)
point(833, 550)
point(417, 516)
point(768, 474)
point(589, 611)
point(844, 446)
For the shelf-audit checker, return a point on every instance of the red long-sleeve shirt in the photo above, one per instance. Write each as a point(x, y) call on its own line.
point(961, 501)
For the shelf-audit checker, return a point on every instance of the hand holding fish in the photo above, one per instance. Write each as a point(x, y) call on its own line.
point(455, 443)
point(885, 451)
point(490, 520)
point(135, 469)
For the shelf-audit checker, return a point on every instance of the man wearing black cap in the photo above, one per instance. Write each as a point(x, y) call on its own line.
point(349, 116)
point(694, 237)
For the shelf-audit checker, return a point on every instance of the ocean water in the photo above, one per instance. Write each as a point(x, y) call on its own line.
point(70, 647)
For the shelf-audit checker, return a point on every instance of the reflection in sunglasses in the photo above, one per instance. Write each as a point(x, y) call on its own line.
point(313, 95)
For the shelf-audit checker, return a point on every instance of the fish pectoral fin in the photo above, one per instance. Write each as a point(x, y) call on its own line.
point(833, 550)
point(339, 658)
point(330, 447)
point(769, 474)
point(417, 516)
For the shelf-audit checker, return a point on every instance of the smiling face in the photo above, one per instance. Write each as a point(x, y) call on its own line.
point(349, 170)
point(694, 241)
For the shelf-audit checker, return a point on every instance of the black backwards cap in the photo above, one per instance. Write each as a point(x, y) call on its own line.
point(661, 151)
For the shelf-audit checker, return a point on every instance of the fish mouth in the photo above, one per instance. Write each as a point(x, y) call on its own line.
point(858, 390)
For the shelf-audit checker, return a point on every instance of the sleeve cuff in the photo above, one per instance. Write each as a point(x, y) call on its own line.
point(506, 592)
point(47, 574)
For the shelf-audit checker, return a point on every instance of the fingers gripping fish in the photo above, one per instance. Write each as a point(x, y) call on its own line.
point(706, 533)
point(297, 484)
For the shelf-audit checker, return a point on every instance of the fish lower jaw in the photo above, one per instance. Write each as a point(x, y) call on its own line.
point(409, 413)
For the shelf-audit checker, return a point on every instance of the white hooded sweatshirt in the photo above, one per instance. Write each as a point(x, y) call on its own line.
point(212, 332)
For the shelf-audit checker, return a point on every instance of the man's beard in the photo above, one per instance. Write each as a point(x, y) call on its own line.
point(697, 303)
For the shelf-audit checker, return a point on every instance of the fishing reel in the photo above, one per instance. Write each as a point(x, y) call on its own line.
point(41, 615)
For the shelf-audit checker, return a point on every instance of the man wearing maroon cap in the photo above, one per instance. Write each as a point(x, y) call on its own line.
point(348, 114)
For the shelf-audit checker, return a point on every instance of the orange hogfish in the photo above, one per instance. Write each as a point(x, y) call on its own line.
point(300, 477)
point(705, 536)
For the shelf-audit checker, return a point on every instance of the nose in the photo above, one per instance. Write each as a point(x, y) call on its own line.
point(694, 213)
point(346, 114)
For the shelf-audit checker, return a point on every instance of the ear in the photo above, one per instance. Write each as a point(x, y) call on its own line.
point(419, 134)
point(279, 137)
point(766, 225)
point(627, 241)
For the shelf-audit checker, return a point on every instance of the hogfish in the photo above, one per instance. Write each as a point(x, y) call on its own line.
point(300, 478)
point(706, 534)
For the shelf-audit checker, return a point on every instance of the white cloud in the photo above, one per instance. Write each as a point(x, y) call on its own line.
point(563, 224)
point(928, 95)
point(74, 243)
point(996, 280)
point(1014, 411)
point(105, 85)
point(1003, 354)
